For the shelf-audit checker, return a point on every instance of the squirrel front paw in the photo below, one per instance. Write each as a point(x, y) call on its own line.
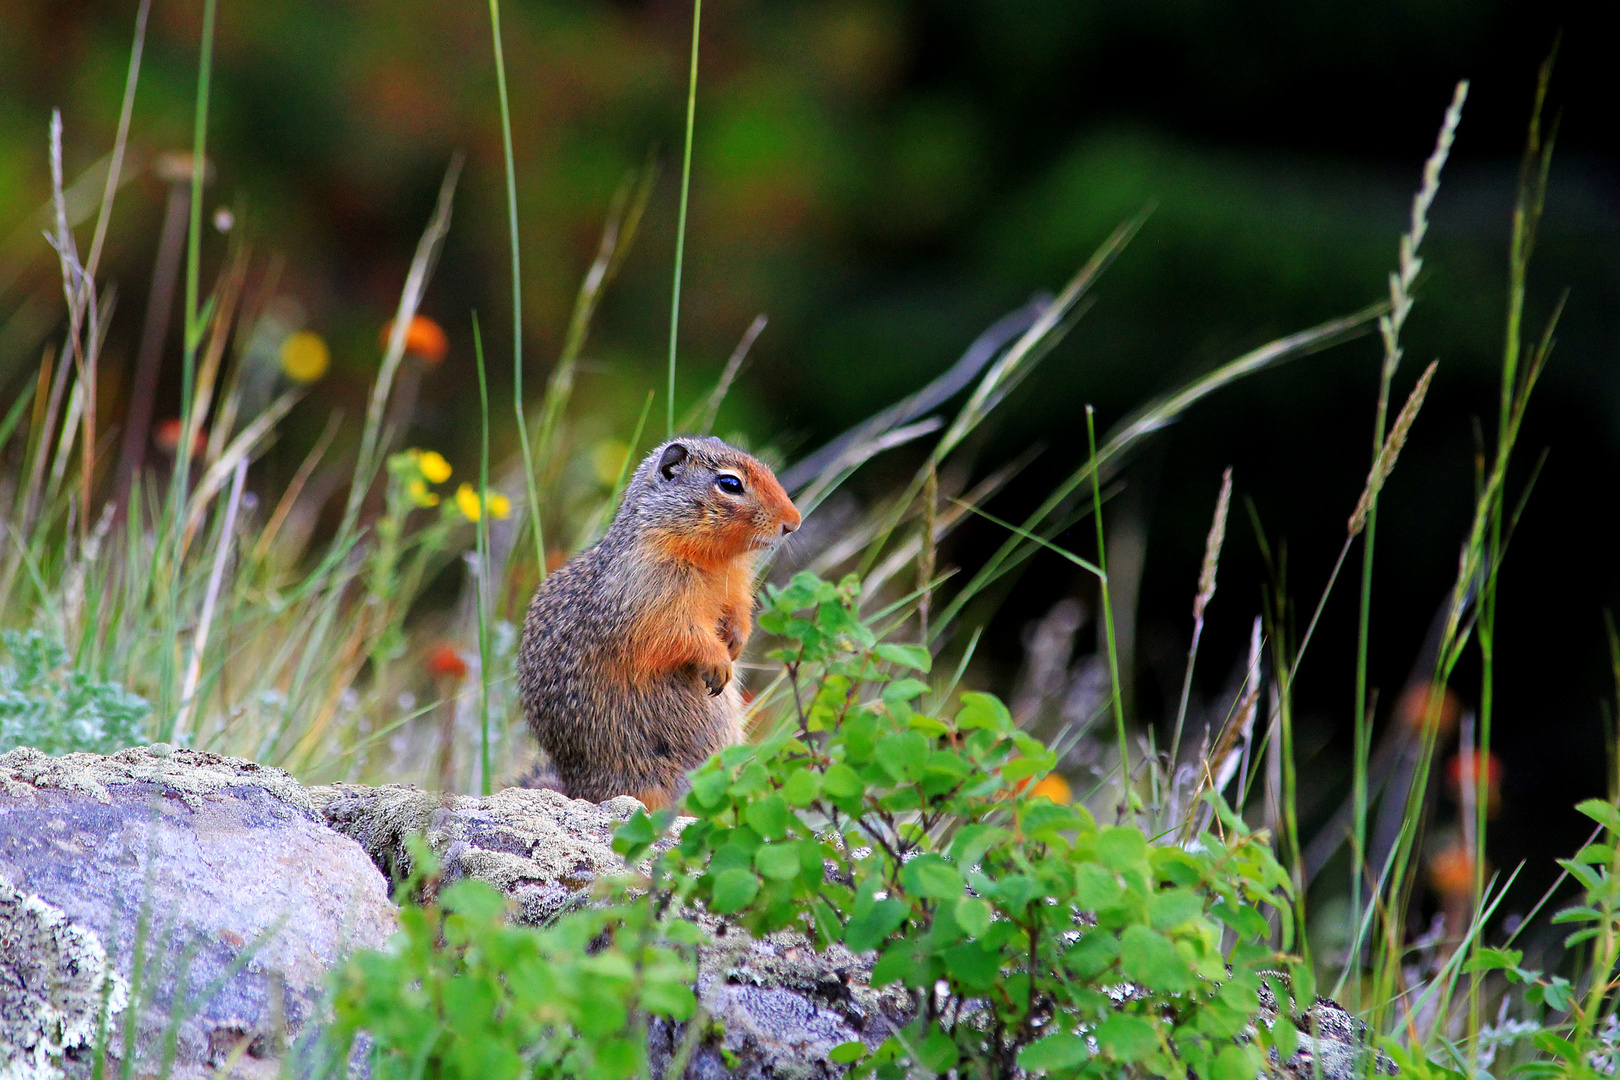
point(732, 636)
point(715, 677)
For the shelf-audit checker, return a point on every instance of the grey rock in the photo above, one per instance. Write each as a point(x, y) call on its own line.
point(54, 985)
point(775, 1007)
point(541, 848)
point(1333, 1044)
point(245, 897)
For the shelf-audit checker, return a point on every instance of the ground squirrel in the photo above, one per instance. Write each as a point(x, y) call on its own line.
point(625, 668)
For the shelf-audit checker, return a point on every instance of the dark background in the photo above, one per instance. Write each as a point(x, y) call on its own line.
point(885, 177)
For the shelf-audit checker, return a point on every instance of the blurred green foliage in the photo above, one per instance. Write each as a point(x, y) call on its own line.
point(882, 178)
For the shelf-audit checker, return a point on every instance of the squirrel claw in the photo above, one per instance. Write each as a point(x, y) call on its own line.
point(715, 678)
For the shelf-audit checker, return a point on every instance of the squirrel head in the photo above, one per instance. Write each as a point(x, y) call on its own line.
point(706, 502)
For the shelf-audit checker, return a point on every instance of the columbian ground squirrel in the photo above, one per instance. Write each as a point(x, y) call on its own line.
point(625, 667)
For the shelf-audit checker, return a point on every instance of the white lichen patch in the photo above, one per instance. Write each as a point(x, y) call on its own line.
point(183, 773)
point(54, 978)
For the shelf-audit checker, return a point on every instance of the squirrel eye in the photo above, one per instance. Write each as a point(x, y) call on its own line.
point(729, 484)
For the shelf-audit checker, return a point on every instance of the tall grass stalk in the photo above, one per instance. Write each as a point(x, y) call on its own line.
point(1532, 194)
point(1401, 298)
point(196, 318)
point(531, 487)
point(1049, 517)
point(1206, 593)
point(1126, 803)
point(481, 581)
point(1481, 555)
point(1002, 377)
point(416, 280)
point(680, 226)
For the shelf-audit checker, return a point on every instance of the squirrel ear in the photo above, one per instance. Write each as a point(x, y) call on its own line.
point(674, 455)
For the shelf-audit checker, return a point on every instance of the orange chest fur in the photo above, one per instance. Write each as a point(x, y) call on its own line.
point(685, 620)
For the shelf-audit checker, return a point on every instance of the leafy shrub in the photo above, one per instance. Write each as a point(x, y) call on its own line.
point(49, 705)
point(1028, 936)
point(460, 994)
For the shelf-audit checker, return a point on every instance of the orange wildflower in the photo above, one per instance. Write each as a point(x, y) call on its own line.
point(1413, 709)
point(167, 436)
point(1451, 871)
point(1054, 787)
point(1461, 772)
point(424, 338)
point(444, 660)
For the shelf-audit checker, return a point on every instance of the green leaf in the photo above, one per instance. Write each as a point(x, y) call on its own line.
point(802, 786)
point(904, 690)
point(1024, 768)
point(973, 915)
point(931, 877)
point(1602, 854)
point(1127, 1038)
point(634, 834)
point(1060, 1050)
point(1148, 957)
point(845, 1053)
point(972, 841)
point(1174, 909)
point(903, 962)
point(902, 754)
point(1092, 954)
point(768, 816)
point(733, 890)
point(1489, 959)
point(911, 656)
point(709, 787)
point(1236, 1063)
point(616, 1058)
point(1604, 813)
point(938, 1053)
point(980, 710)
point(1095, 888)
point(668, 997)
point(868, 929)
point(779, 862)
point(842, 783)
point(1285, 1037)
point(972, 965)
point(1121, 848)
point(1245, 920)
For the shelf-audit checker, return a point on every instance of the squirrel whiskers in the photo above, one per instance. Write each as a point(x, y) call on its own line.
point(625, 670)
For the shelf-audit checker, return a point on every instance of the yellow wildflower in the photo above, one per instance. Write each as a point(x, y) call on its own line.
point(420, 495)
point(472, 509)
point(304, 357)
point(434, 467)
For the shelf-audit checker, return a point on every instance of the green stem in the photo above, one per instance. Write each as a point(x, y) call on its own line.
point(481, 579)
point(680, 228)
point(1108, 616)
point(532, 487)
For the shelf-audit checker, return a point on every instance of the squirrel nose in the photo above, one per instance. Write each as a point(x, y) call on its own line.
point(789, 526)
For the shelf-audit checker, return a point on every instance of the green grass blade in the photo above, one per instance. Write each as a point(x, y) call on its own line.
point(680, 227)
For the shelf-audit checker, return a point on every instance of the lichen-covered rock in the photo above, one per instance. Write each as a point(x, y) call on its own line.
point(542, 849)
point(775, 1006)
point(206, 870)
point(55, 986)
point(1333, 1044)
point(242, 876)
